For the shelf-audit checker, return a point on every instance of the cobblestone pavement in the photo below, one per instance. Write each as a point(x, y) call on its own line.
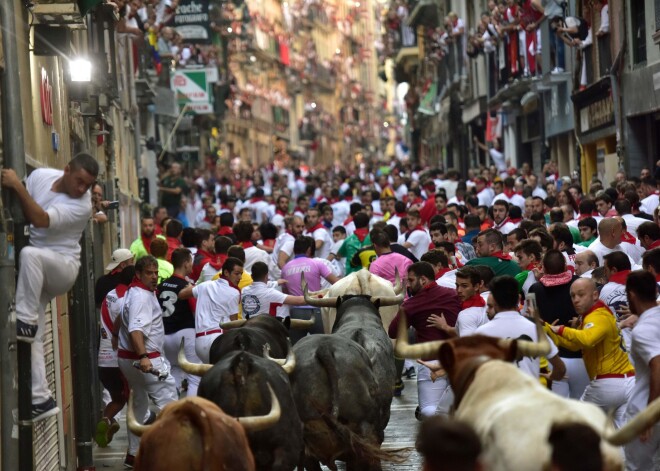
point(400, 433)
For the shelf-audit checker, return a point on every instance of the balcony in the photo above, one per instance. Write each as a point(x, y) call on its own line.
point(63, 12)
point(424, 13)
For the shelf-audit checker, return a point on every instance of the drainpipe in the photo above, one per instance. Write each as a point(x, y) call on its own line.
point(615, 76)
point(16, 454)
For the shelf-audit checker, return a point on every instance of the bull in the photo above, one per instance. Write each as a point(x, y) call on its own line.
point(362, 282)
point(511, 412)
point(337, 395)
point(358, 319)
point(251, 335)
point(195, 434)
point(238, 383)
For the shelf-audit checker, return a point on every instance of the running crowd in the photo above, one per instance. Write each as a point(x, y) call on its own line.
point(476, 254)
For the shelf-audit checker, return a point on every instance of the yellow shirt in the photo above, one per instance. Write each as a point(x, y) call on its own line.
point(599, 338)
point(246, 280)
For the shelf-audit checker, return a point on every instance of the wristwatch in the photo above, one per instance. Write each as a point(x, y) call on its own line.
point(144, 355)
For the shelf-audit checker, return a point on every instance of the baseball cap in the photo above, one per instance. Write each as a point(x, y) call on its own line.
point(118, 256)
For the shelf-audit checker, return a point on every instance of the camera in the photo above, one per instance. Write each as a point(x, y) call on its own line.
point(113, 205)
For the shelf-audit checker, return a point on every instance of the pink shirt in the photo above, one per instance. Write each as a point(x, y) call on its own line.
point(313, 270)
point(385, 264)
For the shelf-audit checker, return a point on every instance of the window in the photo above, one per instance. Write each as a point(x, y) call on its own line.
point(638, 31)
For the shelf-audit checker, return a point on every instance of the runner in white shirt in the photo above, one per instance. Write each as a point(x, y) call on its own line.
point(418, 240)
point(141, 341)
point(652, 200)
point(610, 232)
point(243, 232)
point(316, 230)
point(506, 322)
point(281, 212)
point(501, 217)
point(283, 249)
point(217, 302)
point(260, 298)
point(641, 289)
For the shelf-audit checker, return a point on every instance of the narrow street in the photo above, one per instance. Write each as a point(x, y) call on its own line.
point(400, 433)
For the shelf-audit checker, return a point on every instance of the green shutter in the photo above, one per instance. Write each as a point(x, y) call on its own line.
point(87, 5)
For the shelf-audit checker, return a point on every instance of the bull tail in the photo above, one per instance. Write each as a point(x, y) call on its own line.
point(362, 449)
point(325, 355)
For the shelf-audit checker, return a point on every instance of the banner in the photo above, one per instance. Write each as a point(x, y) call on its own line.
point(192, 20)
point(192, 89)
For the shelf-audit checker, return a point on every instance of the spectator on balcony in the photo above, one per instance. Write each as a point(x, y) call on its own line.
point(407, 33)
point(530, 18)
point(604, 28)
point(552, 9)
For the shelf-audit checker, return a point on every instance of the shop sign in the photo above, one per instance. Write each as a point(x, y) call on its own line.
point(597, 114)
point(191, 20)
point(192, 88)
point(46, 95)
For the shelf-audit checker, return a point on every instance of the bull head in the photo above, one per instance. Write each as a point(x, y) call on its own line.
point(332, 302)
point(197, 369)
point(288, 364)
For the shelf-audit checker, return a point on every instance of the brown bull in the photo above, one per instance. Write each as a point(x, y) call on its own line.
point(195, 434)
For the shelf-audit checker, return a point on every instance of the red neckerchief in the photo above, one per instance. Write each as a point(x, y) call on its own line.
point(654, 244)
point(532, 266)
point(441, 272)
point(158, 230)
point(315, 228)
point(611, 213)
point(556, 280)
point(136, 283)
point(599, 304)
point(146, 241)
point(218, 261)
point(348, 198)
point(499, 226)
point(418, 228)
point(401, 215)
point(501, 255)
point(205, 254)
point(348, 220)
point(225, 230)
point(508, 192)
point(298, 210)
point(474, 301)
point(628, 237)
point(361, 234)
point(515, 220)
point(255, 200)
point(619, 277)
point(417, 200)
point(280, 212)
point(441, 212)
point(246, 245)
point(231, 284)
point(583, 216)
point(657, 278)
point(115, 271)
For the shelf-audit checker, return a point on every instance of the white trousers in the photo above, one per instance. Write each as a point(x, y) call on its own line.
point(146, 386)
point(43, 275)
point(576, 382)
point(610, 394)
point(172, 346)
point(433, 397)
point(203, 346)
point(643, 456)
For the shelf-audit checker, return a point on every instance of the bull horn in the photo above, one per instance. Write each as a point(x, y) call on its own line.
point(388, 300)
point(533, 349)
point(233, 324)
point(421, 350)
point(133, 425)
point(288, 364)
point(197, 369)
point(302, 323)
point(321, 292)
point(642, 421)
point(398, 286)
point(258, 423)
point(316, 302)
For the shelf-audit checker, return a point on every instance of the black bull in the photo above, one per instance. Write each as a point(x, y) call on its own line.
point(238, 384)
point(251, 337)
point(342, 385)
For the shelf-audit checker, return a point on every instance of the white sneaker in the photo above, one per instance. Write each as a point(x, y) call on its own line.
point(557, 70)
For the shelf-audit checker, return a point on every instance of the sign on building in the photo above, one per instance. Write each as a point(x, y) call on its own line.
point(192, 89)
point(192, 20)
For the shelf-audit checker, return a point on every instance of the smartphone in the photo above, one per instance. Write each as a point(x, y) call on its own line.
point(113, 205)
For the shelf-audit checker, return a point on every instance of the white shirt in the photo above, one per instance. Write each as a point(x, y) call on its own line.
point(485, 197)
point(649, 204)
point(635, 251)
point(469, 320)
point(340, 211)
point(278, 221)
point(600, 251)
point(633, 222)
point(498, 159)
point(504, 227)
point(321, 234)
point(258, 209)
point(108, 356)
point(207, 273)
point(420, 241)
point(511, 325)
point(401, 191)
point(68, 216)
point(586, 274)
point(643, 348)
point(254, 255)
point(258, 298)
point(140, 311)
point(448, 280)
point(540, 192)
point(614, 295)
point(216, 301)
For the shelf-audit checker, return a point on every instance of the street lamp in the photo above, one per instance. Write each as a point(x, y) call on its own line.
point(80, 70)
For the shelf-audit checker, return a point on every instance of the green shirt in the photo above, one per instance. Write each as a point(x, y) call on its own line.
point(138, 249)
point(349, 248)
point(165, 270)
point(499, 266)
point(575, 232)
point(168, 199)
point(587, 243)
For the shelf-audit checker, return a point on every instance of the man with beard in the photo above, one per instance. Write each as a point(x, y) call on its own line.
point(502, 222)
point(317, 231)
point(141, 246)
point(283, 250)
point(281, 212)
point(489, 250)
point(428, 298)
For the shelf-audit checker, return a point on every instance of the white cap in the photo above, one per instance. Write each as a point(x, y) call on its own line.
point(118, 256)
